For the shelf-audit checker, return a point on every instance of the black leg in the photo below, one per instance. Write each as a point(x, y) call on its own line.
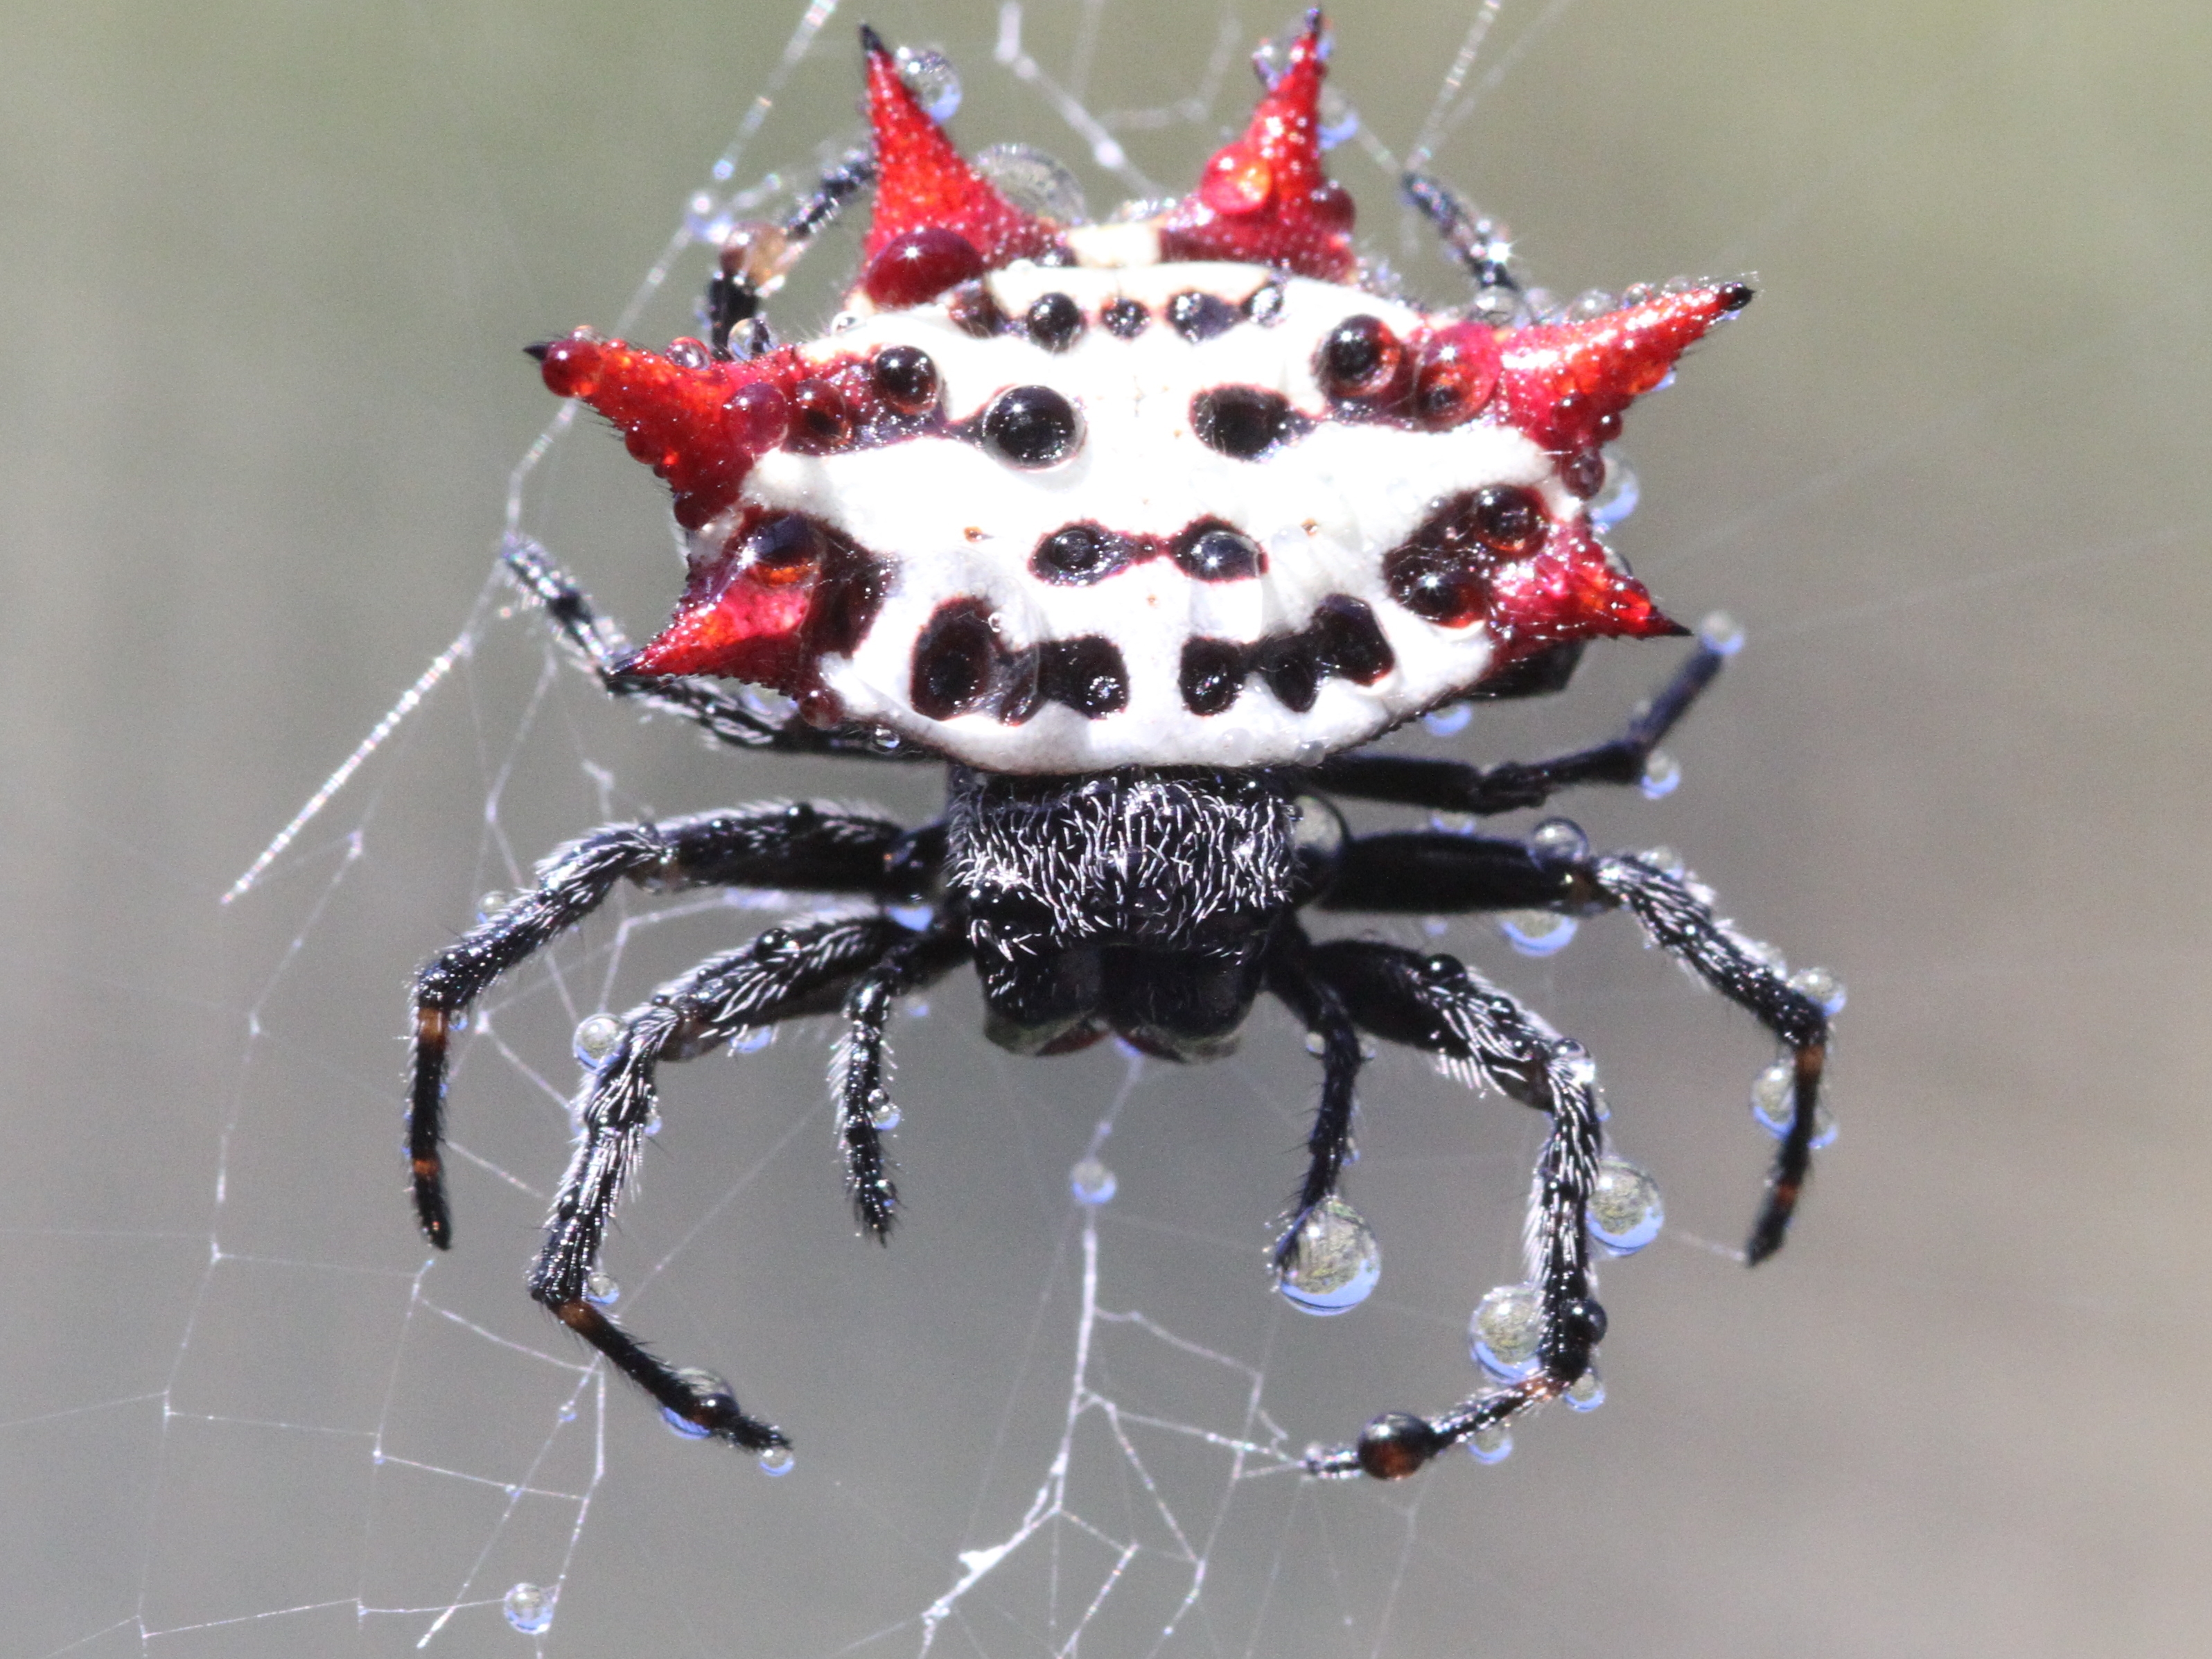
point(799, 847)
point(1453, 787)
point(1434, 1004)
point(804, 969)
point(1433, 872)
point(1479, 243)
point(755, 255)
point(861, 1071)
point(1293, 976)
point(723, 717)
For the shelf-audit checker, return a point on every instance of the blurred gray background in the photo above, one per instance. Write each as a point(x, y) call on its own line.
point(265, 270)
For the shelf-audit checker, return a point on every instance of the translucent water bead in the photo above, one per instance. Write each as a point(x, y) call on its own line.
point(1092, 1182)
point(1773, 1103)
point(1033, 180)
point(596, 1038)
point(1720, 633)
point(703, 1385)
point(1493, 1444)
point(1559, 838)
point(1662, 775)
point(601, 1290)
point(1624, 1211)
point(932, 79)
point(529, 1608)
point(1507, 1329)
point(752, 1039)
point(1449, 719)
point(1335, 1261)
point(1536, 933)
point(1821, 986)
point(777, 1460)
point(1586, 1393)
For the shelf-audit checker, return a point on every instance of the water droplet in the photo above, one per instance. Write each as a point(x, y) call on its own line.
point(1491, 1444)
point(1451, 719)
point(1661, 774)
point(1316, 1044)
point(596, 1038)
point(1535, 932)
point(1616, 496)
point(932, 79)
point(601, 1290)
point(529, 1608)
point(1435, 927)
point(653, 1121)
point(1721, 632)
point(1586, 1393)
point(567, 1412)
point(1589, 303)
point(1091, 1182)
point(1666, 861)
point(1496, 304)
point(1821, 986)
point(1033, 182)
point(1339, 120)
point(751, 1039)
point(1455, 823)
point(1311, 752)
point(1336, 1261)
point(777, 1460)
point(1507, 1328)
point(490, 904)
point(703, 1384)
point(882, 1111)
point(1624, 1211)
point(1773, 1102)
point(1559, 838)
point(912, 917)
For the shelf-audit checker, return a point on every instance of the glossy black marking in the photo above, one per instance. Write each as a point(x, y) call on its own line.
point(1244, 421)
point(961, 666)
point(974, 309)
point(1343, 641)
point(1079, 553)
point(905, 378)
point(820, 417)
point(1212, 674)
point(1053, 320)
point(1031, 426)
point(953, 660)
point(1087, 674)
point(1197, 315)
point(1264, 304)
point(1361, 359)
point(1125, 319)
point(1211, 551)
point(1442, 570)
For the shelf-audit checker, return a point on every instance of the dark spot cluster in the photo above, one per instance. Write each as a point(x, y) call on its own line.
point(1441, 378)
point(1207, 550)
point(962, 666)
point(1343, 639)
point(1442, 570)
point(1054, 321)
point(1244, 421)
point(860, 402)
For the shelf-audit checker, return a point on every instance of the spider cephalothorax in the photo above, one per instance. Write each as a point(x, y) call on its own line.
point(1143, 526)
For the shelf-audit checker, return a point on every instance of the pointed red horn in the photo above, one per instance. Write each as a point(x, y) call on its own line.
point(938, 221)
point(1566, 384)
point(1570, 590)
point(1265, 198)
point(697, 423)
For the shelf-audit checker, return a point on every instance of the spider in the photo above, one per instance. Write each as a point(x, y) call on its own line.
point(1145, 529)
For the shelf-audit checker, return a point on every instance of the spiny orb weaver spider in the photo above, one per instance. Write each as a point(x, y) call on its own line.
point(1145, 529)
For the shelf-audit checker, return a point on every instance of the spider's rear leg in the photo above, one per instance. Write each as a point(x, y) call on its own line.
point(1433, 872)
point(1434, 1004)
point(797, 846)
point(805, 968)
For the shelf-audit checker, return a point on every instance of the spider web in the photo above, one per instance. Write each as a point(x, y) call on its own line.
point(1038, 1425)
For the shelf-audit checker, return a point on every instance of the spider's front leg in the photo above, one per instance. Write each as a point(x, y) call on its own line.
point(1433, 872)
point(796, 847)
point(1433, 1003)
point(1446, 785)
point(805, 968)
point(1293, 976)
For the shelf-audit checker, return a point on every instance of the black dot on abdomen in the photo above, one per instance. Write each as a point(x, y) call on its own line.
point(1243, 422)
point(1088, 675)
point(1212, 674)
point(953, 660)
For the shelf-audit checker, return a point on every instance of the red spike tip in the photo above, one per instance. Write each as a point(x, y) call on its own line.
point(697, 423)
point(1566, 384)
point(1265, 198)
point(1570, 590)
point(929, 202)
